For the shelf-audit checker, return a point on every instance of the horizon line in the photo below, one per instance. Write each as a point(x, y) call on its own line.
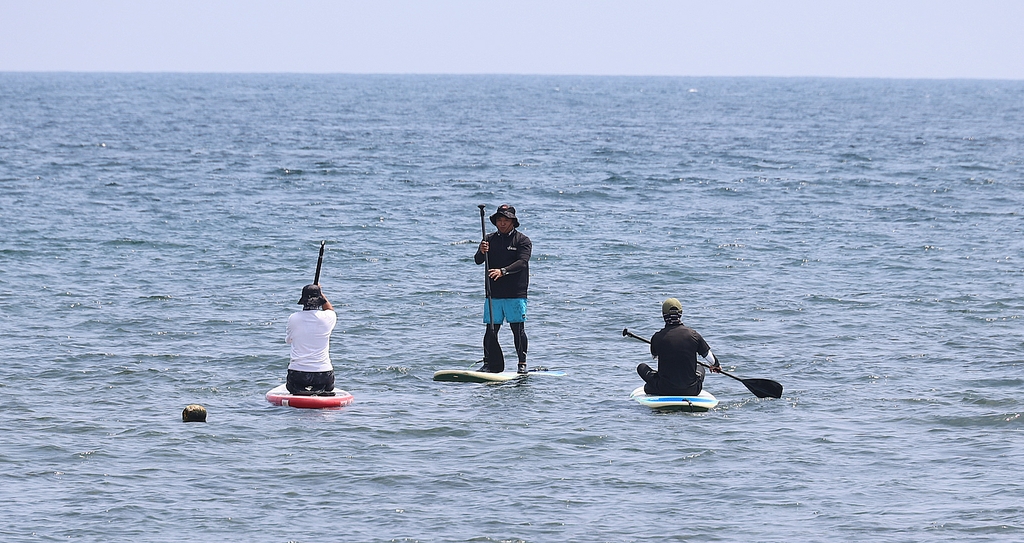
point(503, 74)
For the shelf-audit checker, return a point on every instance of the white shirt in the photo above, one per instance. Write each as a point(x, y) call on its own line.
point(309, 334)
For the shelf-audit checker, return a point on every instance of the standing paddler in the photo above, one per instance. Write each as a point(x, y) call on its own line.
point(507, 254)
point(309, 333)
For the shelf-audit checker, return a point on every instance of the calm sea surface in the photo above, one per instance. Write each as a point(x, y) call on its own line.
point(859, 241)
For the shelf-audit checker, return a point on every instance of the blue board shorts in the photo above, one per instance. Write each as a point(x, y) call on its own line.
point(505, 309)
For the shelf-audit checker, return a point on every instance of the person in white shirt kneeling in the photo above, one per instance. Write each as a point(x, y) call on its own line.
point(310, 372)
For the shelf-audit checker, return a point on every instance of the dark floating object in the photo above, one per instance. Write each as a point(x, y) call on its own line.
point(193, 413)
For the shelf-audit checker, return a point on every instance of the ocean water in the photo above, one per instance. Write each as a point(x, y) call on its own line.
point(859, 241)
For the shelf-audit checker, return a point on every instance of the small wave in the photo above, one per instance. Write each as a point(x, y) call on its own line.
point(976, 167)
point(995, 420)
point(126, 241)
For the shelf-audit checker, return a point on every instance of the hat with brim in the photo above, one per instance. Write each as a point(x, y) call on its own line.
point(312, 296)
point(671, 307)
point(505, 210)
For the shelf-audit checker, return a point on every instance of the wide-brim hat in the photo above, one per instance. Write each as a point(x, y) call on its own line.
point(505, 210)
point(312, 295)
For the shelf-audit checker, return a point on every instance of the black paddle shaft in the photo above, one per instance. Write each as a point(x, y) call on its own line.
point(319, 262)
point(487, 271)
point(762, 388)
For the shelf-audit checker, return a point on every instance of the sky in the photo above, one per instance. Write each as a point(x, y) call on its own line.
point(975, 39)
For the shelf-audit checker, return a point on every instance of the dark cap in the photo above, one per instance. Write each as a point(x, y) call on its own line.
point(312, 296)
point(505, 210)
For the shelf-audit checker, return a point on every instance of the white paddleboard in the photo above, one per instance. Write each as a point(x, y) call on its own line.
point(693, 404)
point(470, 376)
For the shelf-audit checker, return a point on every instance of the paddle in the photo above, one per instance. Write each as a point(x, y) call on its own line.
point(762, 388)
point(487, 278)
point(319, 262)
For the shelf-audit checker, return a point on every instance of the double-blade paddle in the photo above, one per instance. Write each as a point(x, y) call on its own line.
point(762, 388)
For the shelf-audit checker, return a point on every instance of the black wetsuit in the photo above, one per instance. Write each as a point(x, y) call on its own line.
point(511, 251)
point(678, 374)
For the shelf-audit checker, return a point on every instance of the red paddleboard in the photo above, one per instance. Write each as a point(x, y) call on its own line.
point(279, 395)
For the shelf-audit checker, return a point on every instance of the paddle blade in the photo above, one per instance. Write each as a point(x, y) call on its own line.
point(763, 388)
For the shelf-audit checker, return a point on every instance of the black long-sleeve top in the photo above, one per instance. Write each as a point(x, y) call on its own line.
point(510, 251)
point(677, 347)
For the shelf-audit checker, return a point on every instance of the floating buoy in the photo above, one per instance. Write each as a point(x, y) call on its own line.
point(193, 413)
